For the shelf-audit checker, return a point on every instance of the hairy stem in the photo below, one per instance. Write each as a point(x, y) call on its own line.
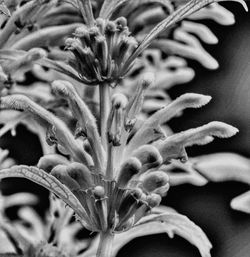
point(104, 94)
point(105, 244)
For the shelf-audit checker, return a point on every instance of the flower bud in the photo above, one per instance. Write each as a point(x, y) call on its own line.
point(148, 154)
point(49, 161)
point(155, 180)
point(129, 168)
point(153, 200)
point(81, 174)
point(60, 172)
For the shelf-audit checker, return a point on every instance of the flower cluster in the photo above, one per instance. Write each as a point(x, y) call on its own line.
point(100, 51)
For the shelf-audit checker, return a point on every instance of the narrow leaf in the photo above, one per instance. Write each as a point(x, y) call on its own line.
point(109, 7)
point(49, 182)
point(86, 10)
point(61, 67)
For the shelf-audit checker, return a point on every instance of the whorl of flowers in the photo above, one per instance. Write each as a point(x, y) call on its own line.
point(100, 51)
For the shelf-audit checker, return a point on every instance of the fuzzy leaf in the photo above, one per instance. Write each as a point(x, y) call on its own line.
point(174, 146)
point(150, 129)
point(54, 125)
point(49, 182)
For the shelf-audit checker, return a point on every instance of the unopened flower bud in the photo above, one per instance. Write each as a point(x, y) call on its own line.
point(81, 174)
point(60, 172)
point(148, 154)
point(153, 200)
point(49, 161)
point(121, 22)
point(119, 101)
point(130, 168)
point(155, 180)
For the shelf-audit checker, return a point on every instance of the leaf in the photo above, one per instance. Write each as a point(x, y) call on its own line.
point(182, 12)
point(49, 182)
point(174, 146)
point(151, 126)
point(222, 167)
point(216, 13)
point(48, 36)
point(56, 127)
point(241, 202)
point(61, 67)
point(86, 10)
point(169, 222)
point(109, 7)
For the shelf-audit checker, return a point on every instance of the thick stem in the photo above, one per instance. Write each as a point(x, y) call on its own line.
point(104, 94)
point(105, 244)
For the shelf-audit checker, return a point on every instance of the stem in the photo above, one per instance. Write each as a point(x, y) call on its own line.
point(110, 167)
point(105, 244)
point(104, 95)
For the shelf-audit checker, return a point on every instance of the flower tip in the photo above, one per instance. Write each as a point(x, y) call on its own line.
point(119, 101)
point(121, 21)
point(223, 130)
point(148, 79)
point(37, 53)
point(61, 87)
point(153, 200)
point(192, 100)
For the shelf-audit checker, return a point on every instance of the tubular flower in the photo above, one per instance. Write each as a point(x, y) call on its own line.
point(100, 51)
point(115, 177)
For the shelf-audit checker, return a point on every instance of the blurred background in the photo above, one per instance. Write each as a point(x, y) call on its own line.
point(208, 207)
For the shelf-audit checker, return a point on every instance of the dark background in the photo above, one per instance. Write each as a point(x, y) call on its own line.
point(228, 230)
